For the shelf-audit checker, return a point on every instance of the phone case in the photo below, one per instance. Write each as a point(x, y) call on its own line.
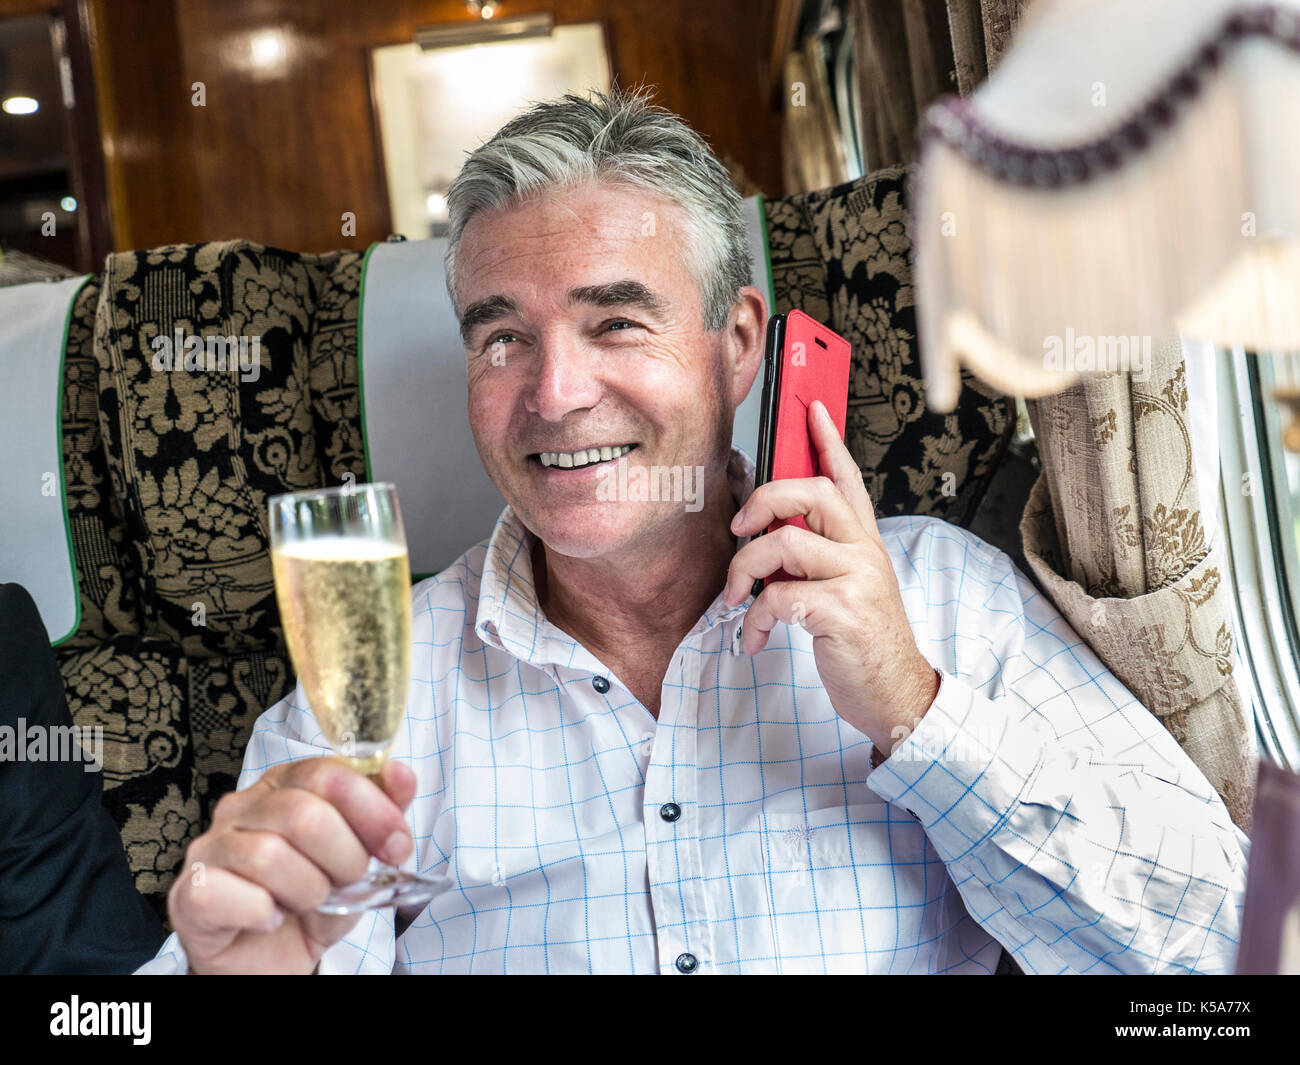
point(804, 361)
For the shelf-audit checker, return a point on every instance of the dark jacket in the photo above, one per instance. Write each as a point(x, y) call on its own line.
point(67, 900)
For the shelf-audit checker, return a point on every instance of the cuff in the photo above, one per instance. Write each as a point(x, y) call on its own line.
point(962, 770)
point(171, 960)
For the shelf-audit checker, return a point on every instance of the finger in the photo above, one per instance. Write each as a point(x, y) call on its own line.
point(271, 862)
point(788, 602)
point(835, 462)
point(398, 783)
point(312, 827)
point(377, 821)
point(816, 499)
point(222, 904)
point(799, 552)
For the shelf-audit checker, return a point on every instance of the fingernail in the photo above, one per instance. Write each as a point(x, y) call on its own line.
point(739, 519)
point(275, 920)
point(396, 846)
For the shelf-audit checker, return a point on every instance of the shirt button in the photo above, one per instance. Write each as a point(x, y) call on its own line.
point(670, 811)
point(600, 684)
point(687, 963)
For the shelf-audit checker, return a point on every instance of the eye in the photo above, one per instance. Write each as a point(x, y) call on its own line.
point(621, 321)
point(499, 338)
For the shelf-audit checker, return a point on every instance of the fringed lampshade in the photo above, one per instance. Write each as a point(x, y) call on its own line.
point(1130, 167)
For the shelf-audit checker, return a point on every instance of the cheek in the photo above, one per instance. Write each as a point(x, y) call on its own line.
point(680, 375)
point(490, 403)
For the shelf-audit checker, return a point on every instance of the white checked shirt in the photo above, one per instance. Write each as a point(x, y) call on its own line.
point(1038, 804)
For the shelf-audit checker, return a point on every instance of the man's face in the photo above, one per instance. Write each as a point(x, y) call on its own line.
point(584, 332)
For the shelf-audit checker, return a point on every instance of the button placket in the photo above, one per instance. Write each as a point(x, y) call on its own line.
point(672, 830)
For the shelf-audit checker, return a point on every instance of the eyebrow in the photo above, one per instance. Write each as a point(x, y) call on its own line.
point(625, 293)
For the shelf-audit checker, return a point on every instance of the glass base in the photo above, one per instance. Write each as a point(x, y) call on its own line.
point(384, 885)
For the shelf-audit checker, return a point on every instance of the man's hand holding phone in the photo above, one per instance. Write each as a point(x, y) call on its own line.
point(848, 597)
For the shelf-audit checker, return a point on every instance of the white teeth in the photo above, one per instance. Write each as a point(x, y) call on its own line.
point(585, 457)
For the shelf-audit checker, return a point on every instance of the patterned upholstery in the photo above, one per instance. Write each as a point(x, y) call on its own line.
point(168, 473)
point(179, 647)
point(842, 255)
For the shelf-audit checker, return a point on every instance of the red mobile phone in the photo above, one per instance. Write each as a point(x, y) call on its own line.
point(804, 361)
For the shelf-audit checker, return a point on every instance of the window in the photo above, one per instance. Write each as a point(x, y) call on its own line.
point(1279, 388)
point(1260, 495)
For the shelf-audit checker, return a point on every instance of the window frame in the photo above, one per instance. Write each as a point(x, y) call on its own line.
point(1262, 562)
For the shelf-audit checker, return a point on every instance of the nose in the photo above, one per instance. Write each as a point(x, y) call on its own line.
point(565, 380)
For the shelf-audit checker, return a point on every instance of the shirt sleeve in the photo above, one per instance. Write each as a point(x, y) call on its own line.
point(1078, 832)
point(287, 732)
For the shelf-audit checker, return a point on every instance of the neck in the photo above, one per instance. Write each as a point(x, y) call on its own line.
point(647, 598)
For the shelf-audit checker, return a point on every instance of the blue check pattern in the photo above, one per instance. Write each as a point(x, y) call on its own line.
point(1037, 805)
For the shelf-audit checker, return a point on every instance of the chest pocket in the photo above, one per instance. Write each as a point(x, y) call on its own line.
point(845, 885)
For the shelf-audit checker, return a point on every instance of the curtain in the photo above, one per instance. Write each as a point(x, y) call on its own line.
point(910, 52)
point(1113, 533)
point(813, 152)
point(907, 53)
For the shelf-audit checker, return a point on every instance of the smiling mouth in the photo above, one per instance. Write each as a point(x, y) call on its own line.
point(583, 457)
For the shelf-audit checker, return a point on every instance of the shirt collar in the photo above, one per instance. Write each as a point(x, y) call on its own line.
point(509, 616)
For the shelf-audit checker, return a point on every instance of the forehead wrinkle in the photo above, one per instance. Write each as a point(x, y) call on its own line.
point(489, 256)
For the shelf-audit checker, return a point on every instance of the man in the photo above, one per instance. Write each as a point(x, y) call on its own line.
point(614, 758)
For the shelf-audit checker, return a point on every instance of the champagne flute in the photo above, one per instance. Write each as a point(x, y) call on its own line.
point(343, 583)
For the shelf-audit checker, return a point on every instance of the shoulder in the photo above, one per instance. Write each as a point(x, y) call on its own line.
point(931, 549)
point(956, 588)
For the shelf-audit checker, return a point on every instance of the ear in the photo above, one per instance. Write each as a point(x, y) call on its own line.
point(745, 330)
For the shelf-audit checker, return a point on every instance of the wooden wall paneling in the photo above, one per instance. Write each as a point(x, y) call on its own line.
point(94, 220)
point(278, 155)
point(21, 8)
point(143, 104)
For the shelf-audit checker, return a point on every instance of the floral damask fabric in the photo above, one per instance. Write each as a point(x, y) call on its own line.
point(1113, 533)
point(843, 256)
point(335, 393)
point(135, 689)
point(168, 470)
point(193, 454)
point(105, 569)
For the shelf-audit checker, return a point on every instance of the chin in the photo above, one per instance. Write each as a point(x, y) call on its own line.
point(586, 532)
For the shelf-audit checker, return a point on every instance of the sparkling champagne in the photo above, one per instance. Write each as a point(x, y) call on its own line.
point(345, 602)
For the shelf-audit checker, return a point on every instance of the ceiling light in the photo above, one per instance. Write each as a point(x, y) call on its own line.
point(268, 49)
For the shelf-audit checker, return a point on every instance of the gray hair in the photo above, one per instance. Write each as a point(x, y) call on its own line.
point(622, 140)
